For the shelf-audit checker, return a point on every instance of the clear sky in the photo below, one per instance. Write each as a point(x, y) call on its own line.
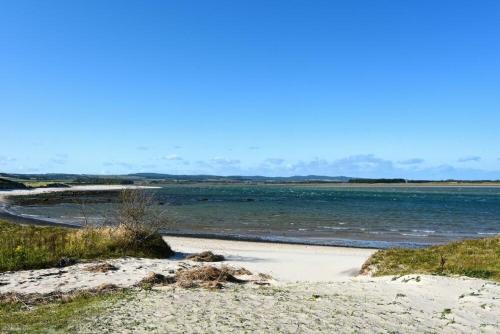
point(357, 88)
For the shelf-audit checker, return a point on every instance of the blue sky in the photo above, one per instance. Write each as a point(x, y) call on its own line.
point(358, 88)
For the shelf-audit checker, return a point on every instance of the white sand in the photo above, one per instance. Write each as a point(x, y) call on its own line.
point(428, 304)
point(285, 262)
point(130, 271)
point(20, 192)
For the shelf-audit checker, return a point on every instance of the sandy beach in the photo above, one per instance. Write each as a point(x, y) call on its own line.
point(284, 262)
point(408, 304)
point(314, 289)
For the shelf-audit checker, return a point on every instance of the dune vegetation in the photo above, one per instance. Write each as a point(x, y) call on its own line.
point(34, 247)
point(478, 258)
point(133, 232)
point(53, 316)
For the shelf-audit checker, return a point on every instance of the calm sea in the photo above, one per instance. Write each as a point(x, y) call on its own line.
point(319, 214)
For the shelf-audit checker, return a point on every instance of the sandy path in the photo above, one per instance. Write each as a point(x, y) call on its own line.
point(428, 304)
point(285, 262)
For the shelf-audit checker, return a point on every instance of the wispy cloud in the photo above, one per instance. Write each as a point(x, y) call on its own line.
point(149, 166)
point(469, 158)
point(224, 161)
point(363, 165)
point(60, 159)
point(172, 157)
point(274, 161)
point(142, 148)
point(414, 161)
point(125, 165)
point(5, 160)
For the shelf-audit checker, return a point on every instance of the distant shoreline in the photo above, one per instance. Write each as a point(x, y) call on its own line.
point(20, 219)
point(11, 215)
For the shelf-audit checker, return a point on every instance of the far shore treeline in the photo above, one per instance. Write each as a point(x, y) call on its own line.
point(27, 181)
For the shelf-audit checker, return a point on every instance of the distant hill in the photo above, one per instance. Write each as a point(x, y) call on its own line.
point(14, 180)
point(42, 177)
point(239, 178)
point(159, 177)
point(8, 184)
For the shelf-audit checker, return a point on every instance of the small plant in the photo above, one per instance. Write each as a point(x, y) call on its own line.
point(445, 312)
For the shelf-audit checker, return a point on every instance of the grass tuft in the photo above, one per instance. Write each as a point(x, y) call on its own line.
point(34, 247)
point(57, 314)
point(479, 258)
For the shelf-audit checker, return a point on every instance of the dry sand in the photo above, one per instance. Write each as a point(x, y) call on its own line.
point(284, 262)
point(361, 304)
point(426, 304)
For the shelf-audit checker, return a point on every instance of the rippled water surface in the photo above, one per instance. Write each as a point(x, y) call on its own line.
point(321, 214)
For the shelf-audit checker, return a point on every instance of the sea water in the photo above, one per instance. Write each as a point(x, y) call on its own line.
point(362, 216)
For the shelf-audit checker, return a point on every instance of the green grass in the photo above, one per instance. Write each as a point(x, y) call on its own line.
point(478, 258)
point(33, 247)
point(40, 184)
point(53, 317)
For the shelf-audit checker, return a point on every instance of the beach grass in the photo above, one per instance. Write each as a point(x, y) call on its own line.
point(56, 316)
point(33, 247)
point(479, 258)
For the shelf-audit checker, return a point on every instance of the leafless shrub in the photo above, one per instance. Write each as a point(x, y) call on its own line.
point(137, 213)
point(135, 222)
point(83, 211)
point(442, 262)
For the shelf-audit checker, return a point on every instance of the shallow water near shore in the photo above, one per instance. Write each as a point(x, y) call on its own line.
point(368, 216)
